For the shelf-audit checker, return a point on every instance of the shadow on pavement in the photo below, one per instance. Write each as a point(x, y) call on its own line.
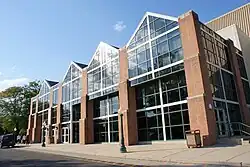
point(6, 147)
point(22, 146)
point(48, 163)
point(70, 163)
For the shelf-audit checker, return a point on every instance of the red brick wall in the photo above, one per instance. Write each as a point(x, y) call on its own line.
point(127, 101)
point(199, 93)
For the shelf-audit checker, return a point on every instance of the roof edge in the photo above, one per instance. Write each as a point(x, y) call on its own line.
point(231, 11)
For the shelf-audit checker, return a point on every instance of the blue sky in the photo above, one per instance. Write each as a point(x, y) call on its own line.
point(39, 38)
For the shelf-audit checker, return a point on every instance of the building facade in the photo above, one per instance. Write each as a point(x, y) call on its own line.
point(174, 75)
point(239, 17)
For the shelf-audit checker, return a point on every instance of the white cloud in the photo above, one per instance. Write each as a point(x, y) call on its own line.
point(4, 84)
point(119, 26)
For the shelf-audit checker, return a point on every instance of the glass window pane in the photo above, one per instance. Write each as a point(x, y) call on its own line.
point(173, 96)
point(164, 60)
point(159, 23)
point(176, 55)
point(177, 132)
point(174, 43)
point(175, 118)
point(185, 117)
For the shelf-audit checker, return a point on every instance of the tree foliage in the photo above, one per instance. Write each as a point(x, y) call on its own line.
point(15, 105)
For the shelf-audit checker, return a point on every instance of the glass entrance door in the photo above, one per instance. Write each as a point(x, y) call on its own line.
point(65, 135)
point(221, 123)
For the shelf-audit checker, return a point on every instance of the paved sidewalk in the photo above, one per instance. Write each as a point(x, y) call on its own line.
point(176, 154)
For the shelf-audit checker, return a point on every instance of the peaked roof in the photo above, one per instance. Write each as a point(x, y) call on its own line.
point(44, 84)
point(80, 67)
point(51, 83)
point(80, 64)
point(115, 46)
point(150, 14)
point(97, 49)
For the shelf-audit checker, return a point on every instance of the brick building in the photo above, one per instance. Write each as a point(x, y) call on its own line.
point(239, 17)
point(174, 74)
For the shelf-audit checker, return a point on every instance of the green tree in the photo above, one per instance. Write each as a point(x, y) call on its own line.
point(15, 105)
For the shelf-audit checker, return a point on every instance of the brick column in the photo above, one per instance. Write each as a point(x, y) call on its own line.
point(37, 129)
point(30, 129)
point(86, 121)
point(201, 115)
point(245, 114)
point(48, 136)
point(29, 126)
point(57, 138)
point(127, 100)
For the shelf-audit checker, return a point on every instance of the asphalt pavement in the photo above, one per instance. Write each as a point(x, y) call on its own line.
point(13, 157)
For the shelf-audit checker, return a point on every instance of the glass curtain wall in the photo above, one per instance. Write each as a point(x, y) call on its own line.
point(71, 96)
point(106, 119)
point(43, 105)
point(156, 69)
point(54, 109)
point(222, 80)
point(103, 79)
point(103, 71)
point(33, 101)
point(154, 49)
point(162, 112)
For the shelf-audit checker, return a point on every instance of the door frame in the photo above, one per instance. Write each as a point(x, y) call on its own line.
point(222, 121)
point(64, 134)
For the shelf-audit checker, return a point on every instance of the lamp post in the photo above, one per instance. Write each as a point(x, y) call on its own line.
point(15, 129)
point(43, 130)
point(123, 148)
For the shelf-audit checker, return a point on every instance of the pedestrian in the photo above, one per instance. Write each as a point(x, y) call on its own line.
point(18, 139)
point(24, 139)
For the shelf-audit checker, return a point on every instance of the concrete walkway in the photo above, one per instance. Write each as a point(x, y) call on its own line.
point(176, 154)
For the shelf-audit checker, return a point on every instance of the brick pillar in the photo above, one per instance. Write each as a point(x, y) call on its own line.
point(58, 133)
point(90, 123)
point(245, 114)
point(37, 129)
point(127, 100)
point(30, 129)
point(57, 138)
point(29, 126)
point(48, 137)
point(30, 135)
point(200, 100)
point(86, 122)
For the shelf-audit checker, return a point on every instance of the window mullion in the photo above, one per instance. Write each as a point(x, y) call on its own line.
point(162, 111)
point(150, 49)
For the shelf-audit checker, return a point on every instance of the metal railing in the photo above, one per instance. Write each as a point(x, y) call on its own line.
point(241, 128)
point(234, 129)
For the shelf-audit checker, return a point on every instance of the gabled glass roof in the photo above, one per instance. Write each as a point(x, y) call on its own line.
point(44, 88)
point(73, 71)
point(103, 54)
point(150, 26)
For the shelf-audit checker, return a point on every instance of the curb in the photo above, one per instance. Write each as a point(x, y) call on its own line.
point(113, 160)
point(82, 157)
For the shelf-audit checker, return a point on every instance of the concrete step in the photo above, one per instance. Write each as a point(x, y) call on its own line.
point(230, 140)
point(245, 142)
